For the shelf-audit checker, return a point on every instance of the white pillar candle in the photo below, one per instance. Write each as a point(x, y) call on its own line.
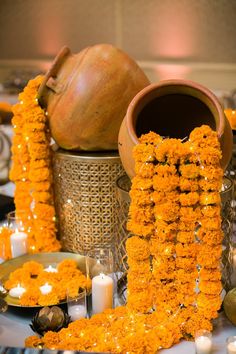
point(17, 291)
point(77, 311)
point(45, 289)
point(102, 293)
point(231, 347)
point(18, 243)
point(203, 345)
point(50, 269)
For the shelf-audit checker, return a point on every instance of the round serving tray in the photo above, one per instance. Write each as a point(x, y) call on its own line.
point(45, 259)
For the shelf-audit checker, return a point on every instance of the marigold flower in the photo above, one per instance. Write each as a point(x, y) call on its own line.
point(188, 185)
point(208, 223)
point(137, 248)
point(209, 198)
point(33, 342)
point(213, 274)
point(144, 153)
point(167, 211)
point(210, 237)
point(186, 237)
point(186, 250)
point(205, 301)
point(211, 172)
point(144, 230)
point(140, 267)
point(142, 183)
point(190, 171)
point(165, 184)
point(141, 197)
point(210, 287)
point(140, 301)
point(211, 211)
point(170, 151)
point(164, 249)
point(150, 138)
point(186, 263)
point(144, 169)
point(141, 215)
point(209, 256)
point(189, 199)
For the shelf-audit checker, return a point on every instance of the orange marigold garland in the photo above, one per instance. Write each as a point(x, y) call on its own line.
point(184, 181)
point(176, 247)
point(31, 170)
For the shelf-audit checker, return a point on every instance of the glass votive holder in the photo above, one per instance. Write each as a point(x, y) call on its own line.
point(231, 345)
point(19, 225)
point(77, 305)
point(99, 265)
point(203, 342)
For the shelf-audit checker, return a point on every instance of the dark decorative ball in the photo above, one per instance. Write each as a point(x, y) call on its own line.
point(49, 319)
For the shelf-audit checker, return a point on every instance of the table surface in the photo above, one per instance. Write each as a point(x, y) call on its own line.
point(14, 328)
point(14, 324)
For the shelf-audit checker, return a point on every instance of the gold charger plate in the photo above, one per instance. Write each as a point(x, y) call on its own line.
point(45, 259)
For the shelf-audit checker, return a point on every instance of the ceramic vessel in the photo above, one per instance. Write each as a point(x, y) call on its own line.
point(172, 108)
point(87, 94)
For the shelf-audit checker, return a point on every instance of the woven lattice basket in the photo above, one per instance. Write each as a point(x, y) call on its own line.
point(85, 198)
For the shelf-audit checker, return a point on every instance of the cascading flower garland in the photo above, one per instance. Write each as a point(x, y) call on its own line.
point(174, 257)
point(31, 170)
point(174, 277)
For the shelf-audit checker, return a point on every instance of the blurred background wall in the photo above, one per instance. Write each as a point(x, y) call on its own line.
point(175, 34)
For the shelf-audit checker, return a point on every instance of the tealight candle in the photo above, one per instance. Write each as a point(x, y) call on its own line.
point(45, 289)
point(203, 345)
point(17, 291)
point(77, 311)
point(231, 345)
point(18, 243)
point(51, 269)
point(102, 293)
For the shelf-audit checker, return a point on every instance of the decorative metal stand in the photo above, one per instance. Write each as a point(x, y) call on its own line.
point(85, 197)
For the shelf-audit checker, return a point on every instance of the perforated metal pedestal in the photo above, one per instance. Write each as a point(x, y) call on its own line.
point(85, 197)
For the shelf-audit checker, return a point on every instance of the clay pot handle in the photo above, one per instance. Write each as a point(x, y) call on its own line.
point(49, 82)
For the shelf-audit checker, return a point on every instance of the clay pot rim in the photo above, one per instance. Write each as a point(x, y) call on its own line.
point(171, 83)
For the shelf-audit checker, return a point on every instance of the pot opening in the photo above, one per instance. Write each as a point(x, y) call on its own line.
point(173, 116)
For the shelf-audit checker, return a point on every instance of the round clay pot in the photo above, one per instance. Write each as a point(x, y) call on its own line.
point(87, 94)
point(172, 108)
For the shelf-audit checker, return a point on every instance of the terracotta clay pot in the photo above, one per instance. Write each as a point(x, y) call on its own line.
point(172, 108)
point(87, 95)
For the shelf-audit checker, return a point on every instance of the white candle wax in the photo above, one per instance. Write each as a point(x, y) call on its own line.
point(77, 311)
point(50, 269)
point(102, 293)
point(203, 345)
point(45, 289)
point(17, 291)
point(18, 243)
point(231, 347)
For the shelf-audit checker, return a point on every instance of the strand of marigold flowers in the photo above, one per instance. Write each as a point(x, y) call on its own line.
point(141, 215)
point(186, 245)
point(31, 170)
point(165, 196)
point(206, 145)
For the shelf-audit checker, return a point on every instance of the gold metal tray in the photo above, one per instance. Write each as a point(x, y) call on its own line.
point(45, 259)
